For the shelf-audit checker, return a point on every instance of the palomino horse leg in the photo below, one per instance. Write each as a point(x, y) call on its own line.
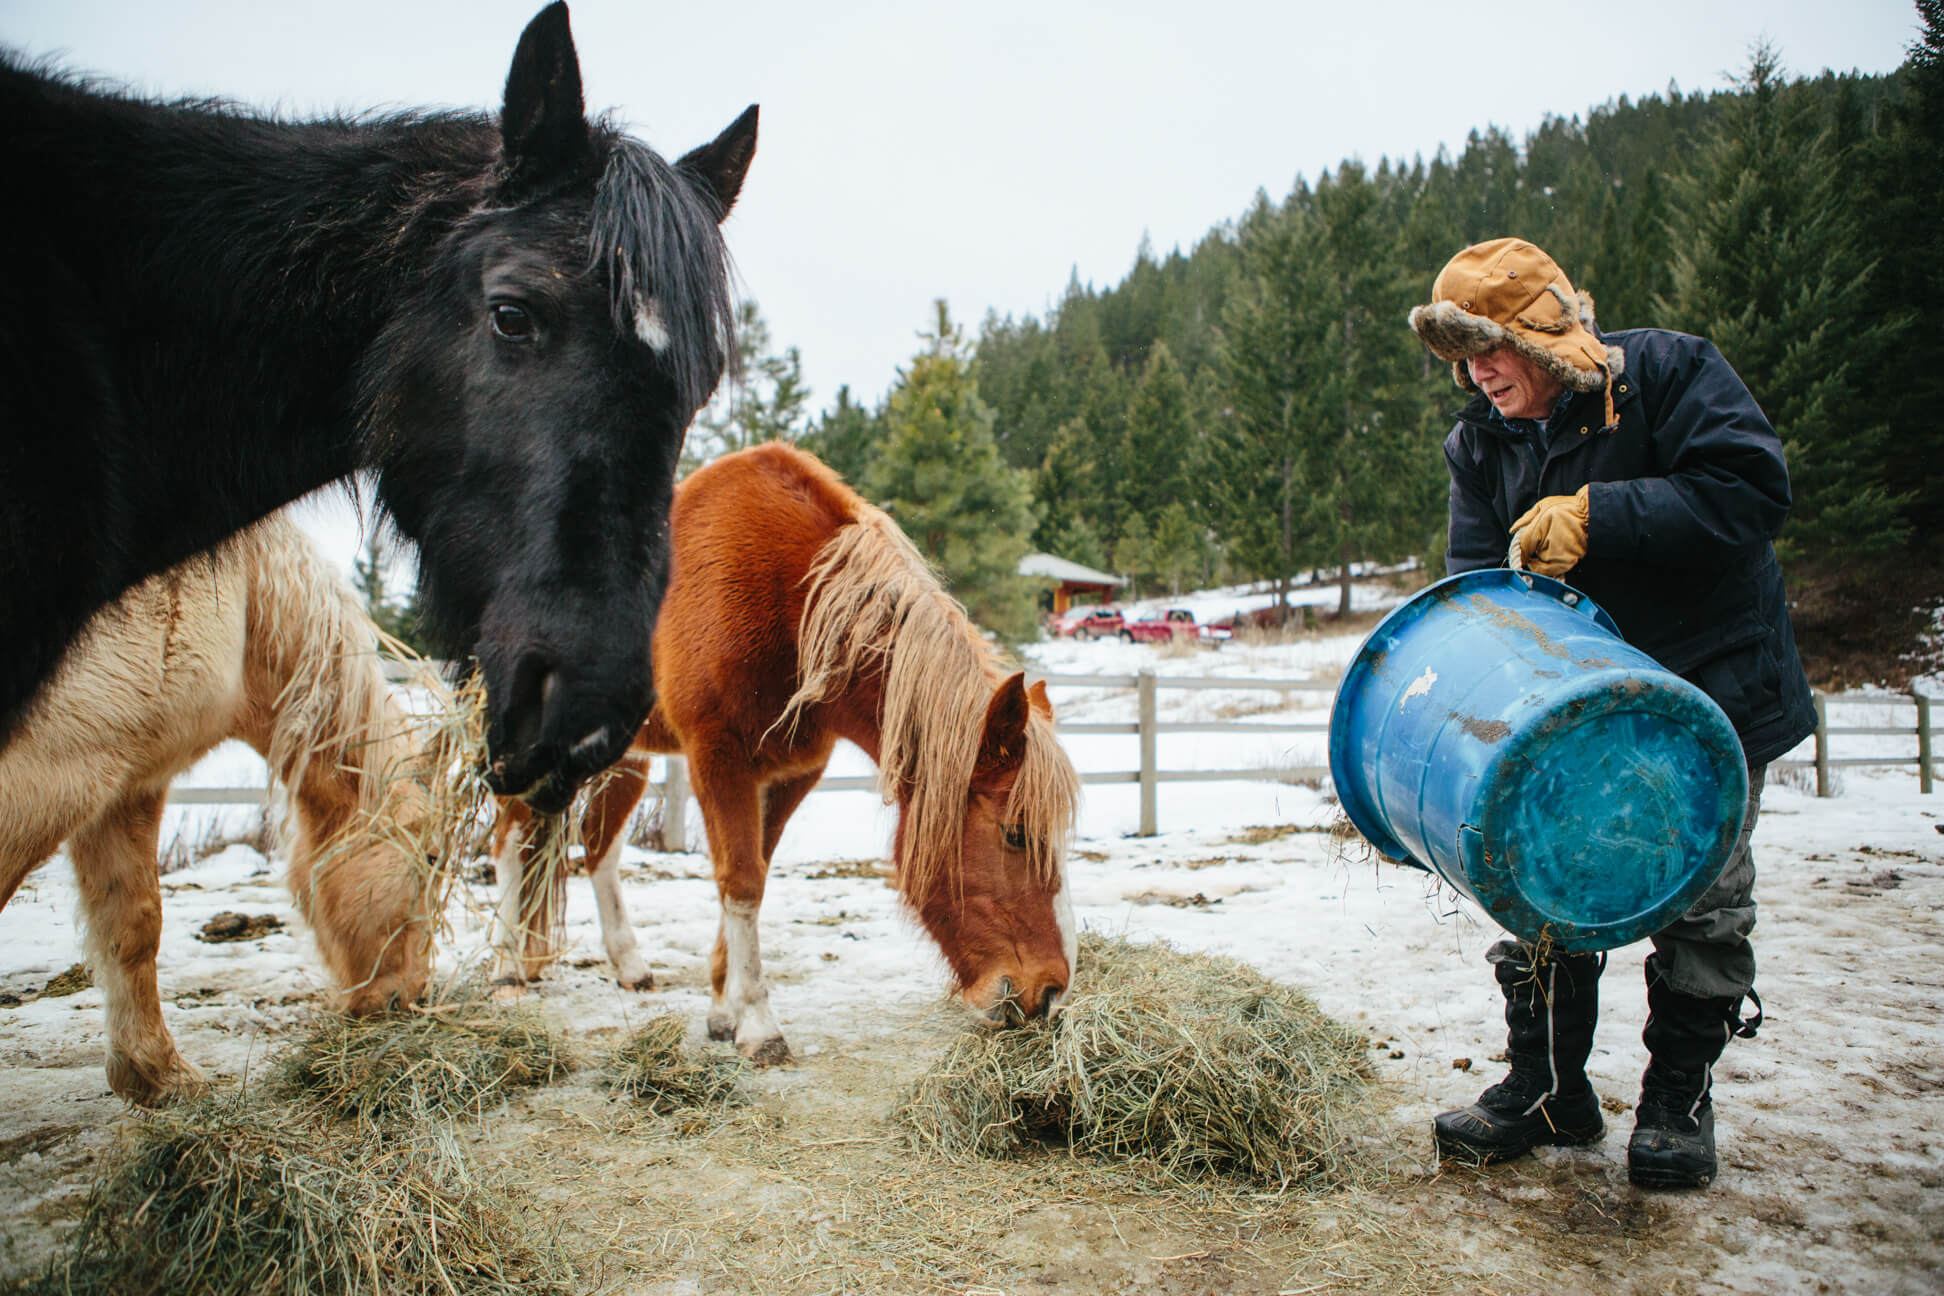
point(604, 829)
point(114, 862)
point(731, 812)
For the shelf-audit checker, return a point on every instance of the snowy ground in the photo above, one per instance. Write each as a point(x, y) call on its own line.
point(1831, 1122)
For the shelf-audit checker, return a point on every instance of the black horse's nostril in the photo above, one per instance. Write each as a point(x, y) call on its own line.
point(536, 685)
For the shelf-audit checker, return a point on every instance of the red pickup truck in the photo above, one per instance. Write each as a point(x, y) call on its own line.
point(1090, 623)
point(1173, 624)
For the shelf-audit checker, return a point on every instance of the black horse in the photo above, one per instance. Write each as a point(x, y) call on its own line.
point(209, 314)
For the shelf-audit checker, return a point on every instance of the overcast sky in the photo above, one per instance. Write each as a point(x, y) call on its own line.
point(976, 152)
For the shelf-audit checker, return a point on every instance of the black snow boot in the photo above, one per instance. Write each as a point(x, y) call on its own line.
point(1673, 1140)
point(1550, 1010)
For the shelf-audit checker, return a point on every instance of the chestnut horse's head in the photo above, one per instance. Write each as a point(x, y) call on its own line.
point(998, 904)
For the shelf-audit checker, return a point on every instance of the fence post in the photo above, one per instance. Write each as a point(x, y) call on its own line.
point(1822, 745)
point(1923, 742)
point(675, 797)
point(1145, 691)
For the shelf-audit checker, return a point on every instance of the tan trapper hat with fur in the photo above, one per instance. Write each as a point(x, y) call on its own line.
point(1509, 293)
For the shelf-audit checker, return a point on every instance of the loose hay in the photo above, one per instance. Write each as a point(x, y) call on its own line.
point(227, 1197)
point(1194, 1065)
point(656, 1069)
point(383, 1071)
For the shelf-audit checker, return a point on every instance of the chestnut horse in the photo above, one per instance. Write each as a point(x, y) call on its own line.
point(257, 640)
point(798, 614)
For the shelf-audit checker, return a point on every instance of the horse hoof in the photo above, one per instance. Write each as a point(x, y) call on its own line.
point(721, 1028)
point(634, 975)
point(177, 1080)
point(771, 1052)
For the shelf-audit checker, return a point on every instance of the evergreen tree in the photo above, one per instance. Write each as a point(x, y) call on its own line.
point(847, 437)
point(397, 617)
point(1157, 462)
point(1077, 542)
point(1062, 491)
point(1134, 553)
point(1768, 266)
point(1896, 174)
point(940, 475)
point(1256, 446)
point(1370, 464)
point(761, 399)
point(1177, 546)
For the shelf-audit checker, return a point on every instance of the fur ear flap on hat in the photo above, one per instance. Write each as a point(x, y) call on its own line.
point(1505, 292)
point(1457, 335)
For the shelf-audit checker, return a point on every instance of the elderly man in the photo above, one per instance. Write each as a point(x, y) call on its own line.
point(1636, 466)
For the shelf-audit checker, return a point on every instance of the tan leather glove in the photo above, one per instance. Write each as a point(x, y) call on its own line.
point(1552, 533)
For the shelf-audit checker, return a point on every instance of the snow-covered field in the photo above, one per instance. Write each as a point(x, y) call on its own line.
point(1831, 1123)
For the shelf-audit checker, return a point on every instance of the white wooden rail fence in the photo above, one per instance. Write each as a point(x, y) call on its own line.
point(1146, 727)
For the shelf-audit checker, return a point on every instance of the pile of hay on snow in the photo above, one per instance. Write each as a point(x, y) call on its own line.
point(227, 1198)
point(655, 1068)
point(461, 1058)
point(1192, 1065)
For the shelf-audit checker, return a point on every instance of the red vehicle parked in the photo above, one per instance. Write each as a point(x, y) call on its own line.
point(1091, 623)
point(1173, 624)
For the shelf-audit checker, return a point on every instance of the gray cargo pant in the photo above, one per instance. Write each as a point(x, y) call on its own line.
point(1705, 952)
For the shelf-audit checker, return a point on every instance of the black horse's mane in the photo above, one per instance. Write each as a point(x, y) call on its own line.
point(657, 229)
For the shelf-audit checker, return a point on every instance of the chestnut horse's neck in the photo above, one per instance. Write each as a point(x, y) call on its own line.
point(897, 668)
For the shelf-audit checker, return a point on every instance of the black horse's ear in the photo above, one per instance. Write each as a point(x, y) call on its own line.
point(543, 125)
point(724, 161)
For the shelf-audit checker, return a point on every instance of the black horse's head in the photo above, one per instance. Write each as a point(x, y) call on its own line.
point(526, 408)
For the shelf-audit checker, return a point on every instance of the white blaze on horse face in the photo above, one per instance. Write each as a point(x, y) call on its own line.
point(617, 933)
point(648, 322)
point(589, 743)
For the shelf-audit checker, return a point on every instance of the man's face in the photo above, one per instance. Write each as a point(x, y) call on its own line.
point(1516, 387)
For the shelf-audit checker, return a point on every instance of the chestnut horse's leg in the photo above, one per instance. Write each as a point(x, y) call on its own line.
point(732, 814)
point(523, 931)
point(604, 829)
point(121, 896)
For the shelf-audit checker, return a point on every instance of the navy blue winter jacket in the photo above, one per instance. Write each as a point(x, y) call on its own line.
point(1686, 497)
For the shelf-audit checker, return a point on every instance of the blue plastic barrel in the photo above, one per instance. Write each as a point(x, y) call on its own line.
point(1497, 731)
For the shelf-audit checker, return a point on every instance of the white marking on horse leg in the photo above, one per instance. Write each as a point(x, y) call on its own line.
point(648, 323)
point(617, 934)
point(509, 933)
point(745, 997)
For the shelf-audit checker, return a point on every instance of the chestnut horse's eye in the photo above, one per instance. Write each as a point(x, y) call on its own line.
point(1016, 837)
point(513, 323)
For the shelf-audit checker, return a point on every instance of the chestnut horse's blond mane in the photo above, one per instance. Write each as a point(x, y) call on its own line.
point(872, 601)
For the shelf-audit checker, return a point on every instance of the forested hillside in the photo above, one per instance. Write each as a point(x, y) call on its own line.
point(1256, 408)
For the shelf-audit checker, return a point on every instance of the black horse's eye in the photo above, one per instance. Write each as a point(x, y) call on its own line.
point(513, 323)
point(1016, 837)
